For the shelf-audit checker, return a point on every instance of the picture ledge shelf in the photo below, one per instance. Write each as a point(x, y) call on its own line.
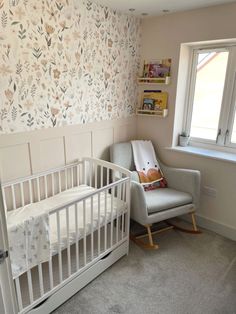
point(156, 113)
point(154, 80)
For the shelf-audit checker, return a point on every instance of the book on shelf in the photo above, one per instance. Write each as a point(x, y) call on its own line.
point(156, 101)
point(157, 69)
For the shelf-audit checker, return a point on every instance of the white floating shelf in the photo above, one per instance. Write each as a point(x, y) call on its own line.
point(157, 113)
point(154, 80)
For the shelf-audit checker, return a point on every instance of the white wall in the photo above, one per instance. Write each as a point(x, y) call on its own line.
point(161, 38)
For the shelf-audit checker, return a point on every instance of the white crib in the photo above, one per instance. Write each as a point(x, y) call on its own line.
point(87, 205)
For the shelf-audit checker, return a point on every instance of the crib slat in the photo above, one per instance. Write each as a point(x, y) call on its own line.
point(59, 174)
point(101, 176)
point(53, 185)
point(68, 241)
point(126, 226)
point(13, 196)
point(41, 279)
point(30, 191)
point(108, 171)
point(76, 236)
point(50, 273)
point(59, 245)
point(72, 176)
point(66, 179)
point(125, 193)
point(99, 218)
point(123, 218)
point(4, 200)
point(112, 222)
point(117, 212)
point(84, 225)
point(90, 173)
point(22, 194)
point(45, 186)
point(105, 222)
point(18, 293)
point(92, 248)
point(38, 189)
point(78, 175)
point(30, 286)
point(96, 176)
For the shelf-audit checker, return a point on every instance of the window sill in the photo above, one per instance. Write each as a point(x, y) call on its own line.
point(208, 153)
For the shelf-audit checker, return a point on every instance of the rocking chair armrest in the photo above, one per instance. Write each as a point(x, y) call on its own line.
point(138, 203)
point(186, 180)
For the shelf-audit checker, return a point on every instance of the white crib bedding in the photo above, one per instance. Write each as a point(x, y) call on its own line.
point(32, 229)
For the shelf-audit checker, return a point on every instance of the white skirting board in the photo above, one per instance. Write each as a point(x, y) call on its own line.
point(215, 226)
point(64, 293)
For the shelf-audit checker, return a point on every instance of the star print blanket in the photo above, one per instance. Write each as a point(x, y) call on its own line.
point(28, 240)
point(147, 166)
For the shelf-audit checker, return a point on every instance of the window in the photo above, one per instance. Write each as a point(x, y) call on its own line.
point(211, 114)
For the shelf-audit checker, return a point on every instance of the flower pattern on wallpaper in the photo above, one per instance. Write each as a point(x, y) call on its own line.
point(65, 62)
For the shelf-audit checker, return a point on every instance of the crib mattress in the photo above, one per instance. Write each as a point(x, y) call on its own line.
point(44, 231)
point(88, 219)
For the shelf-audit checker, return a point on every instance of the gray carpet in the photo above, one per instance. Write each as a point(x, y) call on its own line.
point(189, 274)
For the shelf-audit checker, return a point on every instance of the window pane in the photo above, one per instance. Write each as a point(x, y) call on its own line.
point(210, 78)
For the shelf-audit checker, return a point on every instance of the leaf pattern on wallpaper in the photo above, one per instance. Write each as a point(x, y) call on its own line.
point(4, 19)
point(33, 90)
point(19, 68)
point(14, 113)
point(65, 62)
point(37, 52)
point(22, 32)
point(30, 120)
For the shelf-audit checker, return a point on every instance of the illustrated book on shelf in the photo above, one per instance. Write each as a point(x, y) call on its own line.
point(157, 68)
point(156, 101)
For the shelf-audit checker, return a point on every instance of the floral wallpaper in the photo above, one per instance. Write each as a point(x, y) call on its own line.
point(65, 62)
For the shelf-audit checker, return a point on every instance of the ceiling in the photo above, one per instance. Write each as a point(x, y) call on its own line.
point(156, 7)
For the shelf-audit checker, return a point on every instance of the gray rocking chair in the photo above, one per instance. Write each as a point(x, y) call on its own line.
point(179, 198)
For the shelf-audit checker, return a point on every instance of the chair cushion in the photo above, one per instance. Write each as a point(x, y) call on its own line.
point(162, 199)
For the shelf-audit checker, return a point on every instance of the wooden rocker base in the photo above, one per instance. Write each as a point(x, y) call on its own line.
point(150, 245)
point(141, 243)
point(183, 229)
point(138, 238)
point(195, 229)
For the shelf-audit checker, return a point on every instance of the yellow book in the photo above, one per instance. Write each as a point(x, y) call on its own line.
point(154, 101)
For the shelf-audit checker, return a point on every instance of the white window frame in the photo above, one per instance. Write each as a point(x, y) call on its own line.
point(228, 106)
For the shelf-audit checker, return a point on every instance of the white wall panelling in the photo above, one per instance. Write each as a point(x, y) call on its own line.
point(15, 161)
point(77, 146)
point(26, 153)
